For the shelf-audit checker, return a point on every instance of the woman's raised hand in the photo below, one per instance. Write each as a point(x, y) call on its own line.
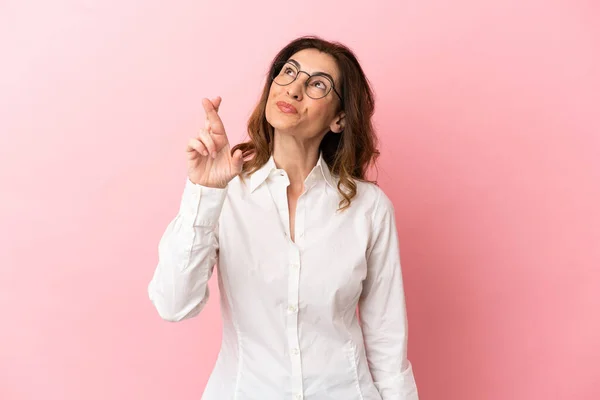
point(210, 162)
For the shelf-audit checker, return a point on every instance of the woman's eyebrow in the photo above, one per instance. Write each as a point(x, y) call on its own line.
point(297, 65)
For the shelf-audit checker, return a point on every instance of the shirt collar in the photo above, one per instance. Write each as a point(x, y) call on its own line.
point(320, 171)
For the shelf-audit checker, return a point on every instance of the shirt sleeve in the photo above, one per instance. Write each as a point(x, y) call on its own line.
point(187, 253)
point(382, 310)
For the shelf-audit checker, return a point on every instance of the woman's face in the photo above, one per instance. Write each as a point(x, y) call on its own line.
point(291, 111)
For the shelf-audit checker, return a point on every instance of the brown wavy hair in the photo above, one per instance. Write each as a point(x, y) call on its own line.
point(348, 154)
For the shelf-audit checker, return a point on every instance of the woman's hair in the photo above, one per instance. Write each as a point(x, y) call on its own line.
point(348, 154)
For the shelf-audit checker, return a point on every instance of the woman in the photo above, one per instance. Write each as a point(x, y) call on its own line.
point(300, 238)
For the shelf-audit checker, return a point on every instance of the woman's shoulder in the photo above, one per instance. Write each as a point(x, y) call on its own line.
point(371, 194)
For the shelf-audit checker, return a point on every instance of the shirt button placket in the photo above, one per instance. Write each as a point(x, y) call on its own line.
point(292, 321)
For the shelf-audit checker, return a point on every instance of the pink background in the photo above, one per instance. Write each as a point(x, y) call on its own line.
point(489, 114)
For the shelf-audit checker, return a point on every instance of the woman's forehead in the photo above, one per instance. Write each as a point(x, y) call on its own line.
point(313, 61)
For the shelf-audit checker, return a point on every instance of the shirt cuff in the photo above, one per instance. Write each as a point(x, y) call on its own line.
point(203, 204)
point(399, 387)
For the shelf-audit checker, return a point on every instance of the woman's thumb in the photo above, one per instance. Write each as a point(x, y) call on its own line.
point(237, 161)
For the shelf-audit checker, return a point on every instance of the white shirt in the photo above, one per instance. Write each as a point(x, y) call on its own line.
point(290, 326)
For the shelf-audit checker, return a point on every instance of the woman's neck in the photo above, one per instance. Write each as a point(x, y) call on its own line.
point(296, 156)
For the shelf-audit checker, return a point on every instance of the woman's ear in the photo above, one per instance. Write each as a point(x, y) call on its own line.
point(339, 123)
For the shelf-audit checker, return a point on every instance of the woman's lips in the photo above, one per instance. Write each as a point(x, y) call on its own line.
point(286, 107)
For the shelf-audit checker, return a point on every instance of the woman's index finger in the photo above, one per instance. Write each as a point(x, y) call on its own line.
point(216, 103)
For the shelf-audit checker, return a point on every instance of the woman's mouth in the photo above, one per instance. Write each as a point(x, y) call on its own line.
point(286, 107)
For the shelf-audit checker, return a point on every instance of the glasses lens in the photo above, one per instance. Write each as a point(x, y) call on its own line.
point(286, 75)
point(318, 87)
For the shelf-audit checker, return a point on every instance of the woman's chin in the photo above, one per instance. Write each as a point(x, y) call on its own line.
point(280, 124)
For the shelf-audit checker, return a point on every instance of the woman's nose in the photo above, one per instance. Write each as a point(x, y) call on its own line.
point(296, 89)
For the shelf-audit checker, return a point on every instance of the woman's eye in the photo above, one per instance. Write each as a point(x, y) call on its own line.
point(289, 71)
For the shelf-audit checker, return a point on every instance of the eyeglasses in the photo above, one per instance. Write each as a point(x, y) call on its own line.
point(316, 86)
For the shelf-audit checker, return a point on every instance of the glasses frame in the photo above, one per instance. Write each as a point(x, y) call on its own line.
point(279, 66)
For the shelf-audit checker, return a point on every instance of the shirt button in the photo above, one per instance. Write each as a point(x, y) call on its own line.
point(295, 351)
point(299, 396)
point(294, 266)
point(292, 308)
